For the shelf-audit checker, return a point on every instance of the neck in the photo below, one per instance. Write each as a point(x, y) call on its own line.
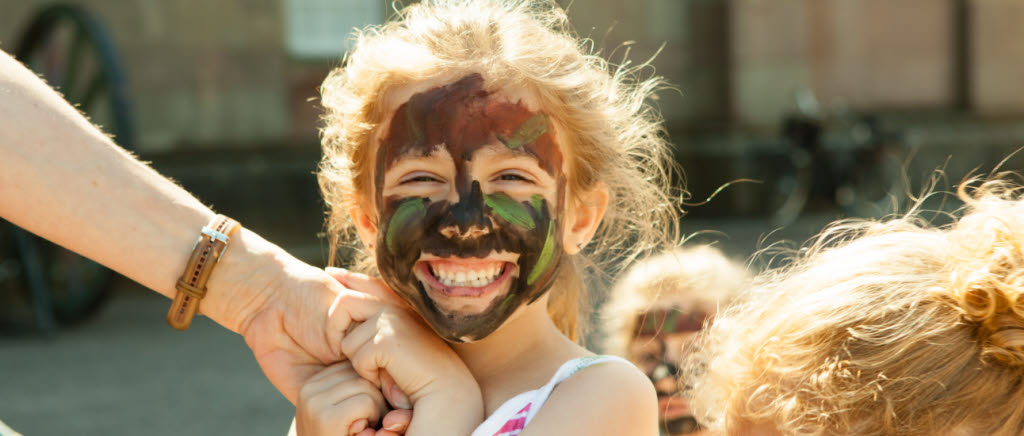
point(529, 340)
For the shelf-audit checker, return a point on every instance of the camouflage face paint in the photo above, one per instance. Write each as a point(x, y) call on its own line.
point(463, 118)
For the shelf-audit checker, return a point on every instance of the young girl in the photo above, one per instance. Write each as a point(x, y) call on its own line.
point(476, 148)
point(881, 328)
point(657, 309)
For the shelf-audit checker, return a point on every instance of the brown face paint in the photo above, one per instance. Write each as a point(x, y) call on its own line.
point(463, 118)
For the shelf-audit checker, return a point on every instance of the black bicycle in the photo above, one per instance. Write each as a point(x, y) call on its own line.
point(68, 46)
point(847, 158)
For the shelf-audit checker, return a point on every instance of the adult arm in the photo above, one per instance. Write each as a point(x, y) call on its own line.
point(63, 179)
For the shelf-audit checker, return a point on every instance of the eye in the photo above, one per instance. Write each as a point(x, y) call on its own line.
point(513, 176)
point(420, 177)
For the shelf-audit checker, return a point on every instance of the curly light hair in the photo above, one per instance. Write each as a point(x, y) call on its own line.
point(608, 129)
point(699, 278)
point(881, 328)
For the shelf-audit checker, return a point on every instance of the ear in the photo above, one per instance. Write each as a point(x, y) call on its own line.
point(366, 227)
point(584, 217)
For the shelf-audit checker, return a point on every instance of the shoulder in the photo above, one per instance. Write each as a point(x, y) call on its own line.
point(609, 398)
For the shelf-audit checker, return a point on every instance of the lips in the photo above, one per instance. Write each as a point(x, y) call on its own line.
point(672, 407)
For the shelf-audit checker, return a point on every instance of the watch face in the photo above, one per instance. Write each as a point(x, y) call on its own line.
point(471, 192)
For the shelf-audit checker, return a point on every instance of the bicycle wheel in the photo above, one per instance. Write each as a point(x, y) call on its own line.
point(69, 48)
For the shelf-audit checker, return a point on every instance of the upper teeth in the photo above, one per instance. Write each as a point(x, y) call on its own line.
point(470, 278)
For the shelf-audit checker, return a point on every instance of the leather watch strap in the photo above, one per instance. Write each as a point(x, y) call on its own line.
point(209, 247)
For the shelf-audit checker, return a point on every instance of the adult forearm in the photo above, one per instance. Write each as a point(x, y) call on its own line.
point(63, 179)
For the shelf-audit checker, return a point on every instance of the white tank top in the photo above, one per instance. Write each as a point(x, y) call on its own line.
point(512, 417)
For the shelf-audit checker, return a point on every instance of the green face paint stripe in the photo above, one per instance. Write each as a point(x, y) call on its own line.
point(507, 299)
point(529, 131)
point(415, 132)
point(537, 201)
point(409, 211)
point(546, 253)
point(510, 210)
point(671, 320)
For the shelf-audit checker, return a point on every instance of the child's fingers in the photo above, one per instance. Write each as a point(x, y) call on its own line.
point(325, 380)
point(360, 428)
point(395, 422)
point(367, 365)
point(356, 341)
point(353, 414)
point(392, 392)
point(350, 388)
point(366, 284)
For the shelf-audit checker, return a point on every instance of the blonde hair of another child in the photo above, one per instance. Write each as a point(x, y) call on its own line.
point(689, 278)
point(610, 133)
point(881, 328)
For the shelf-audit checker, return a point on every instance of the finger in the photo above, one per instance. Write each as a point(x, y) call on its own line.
point(358, 338)
point(392, 392)
point(330, 370)
point(359, 427)
point(366, 432)
point(354, 387)
point(396, 421)
point(366, 284)
point(367, 365)
point(360, 406)
point(326, 380)
point(348, 306)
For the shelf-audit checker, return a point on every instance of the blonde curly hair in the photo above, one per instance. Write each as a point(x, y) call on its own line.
point(880, 328)
point(690, 278)
point(611, 133)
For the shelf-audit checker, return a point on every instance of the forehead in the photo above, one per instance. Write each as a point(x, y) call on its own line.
point(464, 117)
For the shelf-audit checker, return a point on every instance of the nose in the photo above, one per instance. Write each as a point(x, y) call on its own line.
point(467, 219)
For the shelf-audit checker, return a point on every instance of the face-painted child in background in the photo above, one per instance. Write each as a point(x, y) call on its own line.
point(656, 310)
point(476, 150)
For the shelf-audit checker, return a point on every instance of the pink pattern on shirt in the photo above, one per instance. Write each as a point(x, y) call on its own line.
point(516, 424)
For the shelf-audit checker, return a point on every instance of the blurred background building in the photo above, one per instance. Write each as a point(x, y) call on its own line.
point(225, 101)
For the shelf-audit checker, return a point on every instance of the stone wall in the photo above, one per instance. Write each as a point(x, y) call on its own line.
point(200, 73)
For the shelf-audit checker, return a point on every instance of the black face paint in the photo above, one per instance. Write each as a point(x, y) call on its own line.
point(463, 118)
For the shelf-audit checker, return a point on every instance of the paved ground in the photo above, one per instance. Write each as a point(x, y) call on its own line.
point(127, 373)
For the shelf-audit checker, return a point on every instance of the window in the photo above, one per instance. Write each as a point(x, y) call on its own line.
point(319, 29)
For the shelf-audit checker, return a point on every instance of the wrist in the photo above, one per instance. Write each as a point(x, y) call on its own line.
point(456, 411)
point(243, 282)
point(433, 413)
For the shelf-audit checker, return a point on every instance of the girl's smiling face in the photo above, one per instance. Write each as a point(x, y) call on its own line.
point(470, 192)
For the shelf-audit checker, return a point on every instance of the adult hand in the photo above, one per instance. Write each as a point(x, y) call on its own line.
point(297, 326)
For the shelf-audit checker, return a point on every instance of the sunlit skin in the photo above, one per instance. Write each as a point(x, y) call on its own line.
point(471, 188)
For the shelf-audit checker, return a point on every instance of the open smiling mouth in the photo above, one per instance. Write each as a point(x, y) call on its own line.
point(466, 278)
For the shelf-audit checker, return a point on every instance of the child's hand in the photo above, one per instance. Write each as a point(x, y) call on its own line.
point(396, 343)
point(338, 401)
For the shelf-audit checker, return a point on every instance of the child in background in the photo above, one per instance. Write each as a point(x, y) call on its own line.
point(881, 328)
point(477, 148)
point(657, 309)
